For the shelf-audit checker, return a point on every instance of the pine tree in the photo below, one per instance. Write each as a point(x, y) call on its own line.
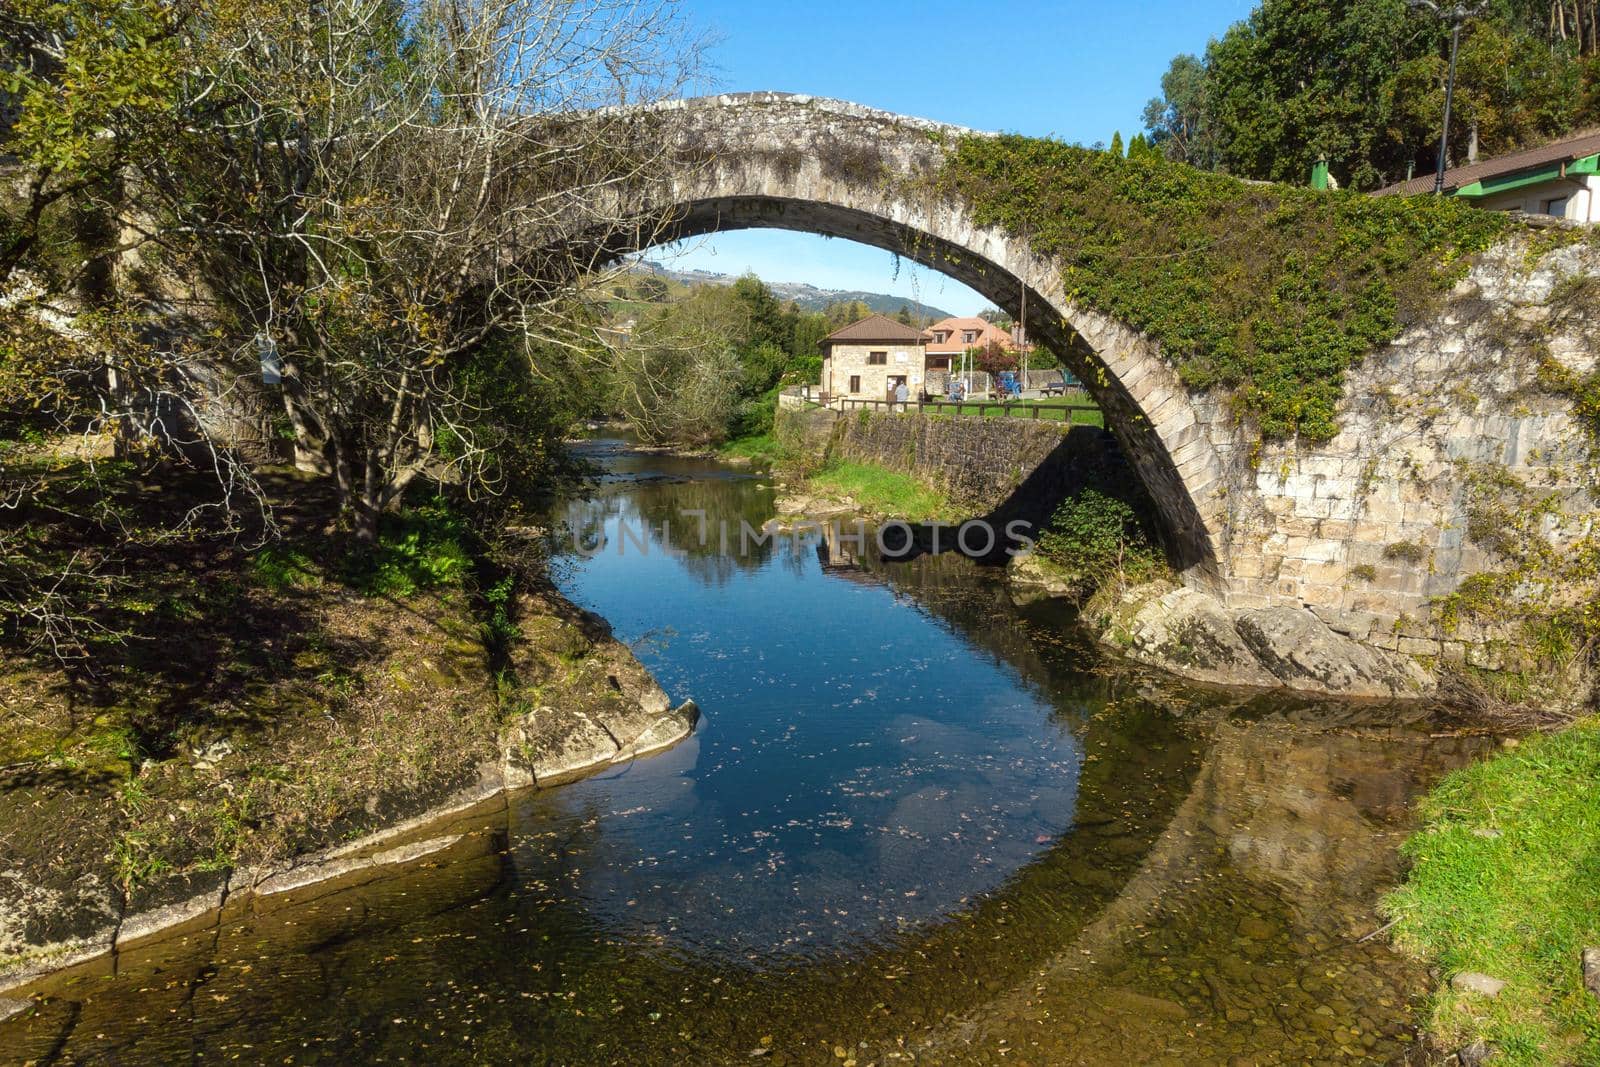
point(1116, 144)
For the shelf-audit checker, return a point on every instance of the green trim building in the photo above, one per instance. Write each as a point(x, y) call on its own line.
point(1561, 178)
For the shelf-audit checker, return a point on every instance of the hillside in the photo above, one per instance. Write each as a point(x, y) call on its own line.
point(805, 296)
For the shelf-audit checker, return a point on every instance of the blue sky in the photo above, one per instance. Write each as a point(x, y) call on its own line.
point(1077, 71)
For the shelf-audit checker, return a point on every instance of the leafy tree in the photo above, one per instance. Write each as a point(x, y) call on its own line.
point(993, 357)
point(1300, 80)
point(740, 336)
point(805, 343)
point(652, 289)
point(84, 77)
point(765, 320)
point(86, 83)
point(844, 312)
point(1361, 82)
point(1176, 119)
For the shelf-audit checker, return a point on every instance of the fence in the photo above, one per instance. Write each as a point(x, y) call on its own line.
point(1069, 412)
point(1038, 379)
point(979, 383)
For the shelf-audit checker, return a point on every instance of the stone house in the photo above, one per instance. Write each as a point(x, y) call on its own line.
point(1561, 178)
point(868, 358)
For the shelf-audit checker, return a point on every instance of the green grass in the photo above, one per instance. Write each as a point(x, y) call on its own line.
point(762, 447)
point(883, 491)
point(1506, 881)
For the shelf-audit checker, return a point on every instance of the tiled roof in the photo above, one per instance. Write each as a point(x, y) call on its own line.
point(1584, 144)
point(875, 328)
point(953, 344)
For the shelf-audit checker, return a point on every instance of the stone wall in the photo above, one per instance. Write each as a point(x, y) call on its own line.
point(847, 361)
point(1455, 419)
point(1368, 529)
point(980, 464)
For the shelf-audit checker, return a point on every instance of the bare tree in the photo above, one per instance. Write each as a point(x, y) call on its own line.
point(371, 194)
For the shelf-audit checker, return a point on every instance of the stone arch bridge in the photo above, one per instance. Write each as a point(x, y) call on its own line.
point(1366, 529)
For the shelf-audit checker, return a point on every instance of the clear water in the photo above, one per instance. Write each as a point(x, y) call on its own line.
point(861, 767)
point(917, 821)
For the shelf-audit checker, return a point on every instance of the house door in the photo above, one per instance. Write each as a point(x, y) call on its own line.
point(895, 382)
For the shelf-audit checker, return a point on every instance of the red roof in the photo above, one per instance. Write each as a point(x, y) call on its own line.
point(1579, 146)
point(954, 328)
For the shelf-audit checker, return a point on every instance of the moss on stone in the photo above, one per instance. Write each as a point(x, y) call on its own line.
point(1271, 292)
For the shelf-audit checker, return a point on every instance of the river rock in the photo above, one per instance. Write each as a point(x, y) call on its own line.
point(1304, 653)
point(1256, 928)
point(1134, 1003)
point(47, 926)
point(1187, 632)
point(207, 757)
point(1033, 578)
point(1477, 982)
point(1193, 634)
point(1480, 1051)
point(666, 731)
point(1591, 970)
point(547, 746)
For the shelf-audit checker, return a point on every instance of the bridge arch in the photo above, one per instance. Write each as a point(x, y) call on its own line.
point(778, 161)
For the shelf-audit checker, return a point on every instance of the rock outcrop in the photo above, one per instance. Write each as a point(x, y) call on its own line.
point(546, 747)
point(1193, 634)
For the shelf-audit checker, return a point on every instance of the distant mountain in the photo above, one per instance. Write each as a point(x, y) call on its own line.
point(806, 296)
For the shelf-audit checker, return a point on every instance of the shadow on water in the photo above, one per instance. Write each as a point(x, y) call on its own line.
point(917, 821)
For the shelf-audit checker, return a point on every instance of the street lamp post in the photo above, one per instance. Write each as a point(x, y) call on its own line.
point(1456, 15)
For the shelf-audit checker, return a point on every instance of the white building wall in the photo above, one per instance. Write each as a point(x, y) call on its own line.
point(1582, 193)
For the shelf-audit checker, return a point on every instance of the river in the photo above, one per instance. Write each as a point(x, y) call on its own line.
point(917, 823)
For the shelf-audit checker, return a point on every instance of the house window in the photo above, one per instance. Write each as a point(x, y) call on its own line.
point(968, 336)
point(855, 383)
point(940, 336)
point(938, 362)
point(877, 359)
point(1556, 207)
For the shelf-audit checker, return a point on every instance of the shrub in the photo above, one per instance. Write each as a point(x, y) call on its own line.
point(423, 548)
point(1405, 552)
point(281, 568)
point(1099, 536)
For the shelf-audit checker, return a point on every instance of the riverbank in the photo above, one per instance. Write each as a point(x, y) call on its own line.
point(1096, 548)
point(1501, 901)
point(266, 707)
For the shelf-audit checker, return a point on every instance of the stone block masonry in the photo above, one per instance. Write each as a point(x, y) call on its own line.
point(979, 464)
point(1373, 524)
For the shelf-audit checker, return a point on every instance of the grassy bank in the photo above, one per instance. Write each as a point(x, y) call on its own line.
point(754, 448)
point(1050, 409)
point(882, 491)
point(1506, 881)
point(248, 703)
